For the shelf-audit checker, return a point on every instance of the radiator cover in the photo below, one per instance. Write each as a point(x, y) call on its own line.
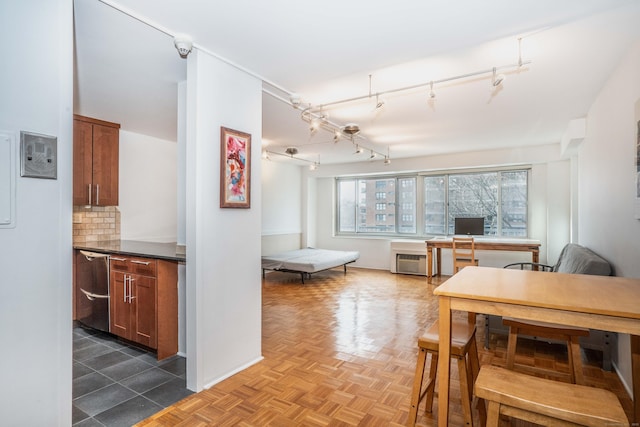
point(411, 264)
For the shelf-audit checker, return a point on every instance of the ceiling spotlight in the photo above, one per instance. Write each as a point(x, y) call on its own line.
point(351, 129)
point(432, 94)
point(295, 100)
point(313, 166)
point(379, 102)
point(336, 136)
point(358, 149)
point(387, 160)
point(265, 155)
point(372, 156)
point(292, 151)
point(497, 78)
point(315, 124)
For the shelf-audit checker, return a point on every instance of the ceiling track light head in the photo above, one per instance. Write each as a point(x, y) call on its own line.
point(497, 78)
point(432, 94)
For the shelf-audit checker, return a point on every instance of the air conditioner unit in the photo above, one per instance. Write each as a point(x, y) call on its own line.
point(411, 264)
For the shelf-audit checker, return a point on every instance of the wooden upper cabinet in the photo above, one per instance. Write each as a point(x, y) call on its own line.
point(95, 162)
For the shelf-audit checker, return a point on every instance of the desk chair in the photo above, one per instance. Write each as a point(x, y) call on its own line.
point(464, 251)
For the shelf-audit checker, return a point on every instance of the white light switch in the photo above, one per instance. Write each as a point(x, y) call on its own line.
point(7, 180)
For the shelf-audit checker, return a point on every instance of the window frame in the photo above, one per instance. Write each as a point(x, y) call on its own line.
point(419, 208)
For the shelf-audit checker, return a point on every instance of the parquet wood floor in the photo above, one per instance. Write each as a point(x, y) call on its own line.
point(340, 350)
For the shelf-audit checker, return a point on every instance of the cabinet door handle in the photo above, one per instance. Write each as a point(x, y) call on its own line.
point(97, 194)
point(124, 288)
point(117, 259)
point(140, 262)
point(131, 297)
point(89, 188)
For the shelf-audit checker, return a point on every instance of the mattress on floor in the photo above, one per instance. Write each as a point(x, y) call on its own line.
point(308, 260)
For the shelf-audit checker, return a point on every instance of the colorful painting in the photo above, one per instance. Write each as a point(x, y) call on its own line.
point(235, 169)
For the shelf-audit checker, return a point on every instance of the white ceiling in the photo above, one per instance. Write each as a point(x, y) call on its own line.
point(127, 69)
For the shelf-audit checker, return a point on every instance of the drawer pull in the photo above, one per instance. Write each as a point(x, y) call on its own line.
point(117, 259)
point(140, 262)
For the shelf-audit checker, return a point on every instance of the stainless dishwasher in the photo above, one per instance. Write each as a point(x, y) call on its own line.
point(92, 289)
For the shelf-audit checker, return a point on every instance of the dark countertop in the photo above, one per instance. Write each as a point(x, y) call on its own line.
point(166, 251)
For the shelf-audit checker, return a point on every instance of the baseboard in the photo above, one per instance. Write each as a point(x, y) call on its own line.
point(232, 373)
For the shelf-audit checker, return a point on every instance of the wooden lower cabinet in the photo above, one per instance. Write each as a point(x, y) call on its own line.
point(144, 302)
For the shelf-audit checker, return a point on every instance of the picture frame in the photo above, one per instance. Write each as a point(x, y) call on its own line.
point(235, 169)
point(636, 163)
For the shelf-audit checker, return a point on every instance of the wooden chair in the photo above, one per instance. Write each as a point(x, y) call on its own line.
point(465, 350)
point(464, 253)
point(545, 402)
point(569, 334)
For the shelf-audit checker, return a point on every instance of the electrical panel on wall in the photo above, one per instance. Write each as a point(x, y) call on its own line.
point(7, 180)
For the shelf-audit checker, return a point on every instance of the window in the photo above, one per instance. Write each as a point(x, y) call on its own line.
point(429, 204)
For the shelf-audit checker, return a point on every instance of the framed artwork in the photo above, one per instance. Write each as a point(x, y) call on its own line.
point(235, 169)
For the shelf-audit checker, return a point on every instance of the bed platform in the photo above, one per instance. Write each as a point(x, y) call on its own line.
point(308, 261)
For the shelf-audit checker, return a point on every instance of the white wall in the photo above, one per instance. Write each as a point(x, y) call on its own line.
point(35, 256)
point(281, 206)
point(148, 191)
point(607, 180)
point(224, 304)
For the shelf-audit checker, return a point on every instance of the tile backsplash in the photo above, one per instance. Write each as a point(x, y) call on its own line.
point(95, 224)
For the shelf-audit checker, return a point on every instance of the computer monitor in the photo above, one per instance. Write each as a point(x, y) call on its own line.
point(469, 226)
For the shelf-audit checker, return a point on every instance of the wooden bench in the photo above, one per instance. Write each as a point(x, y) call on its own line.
point(546, 402)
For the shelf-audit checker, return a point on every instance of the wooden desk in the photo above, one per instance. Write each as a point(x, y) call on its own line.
point(481, 244)
point(596, 302)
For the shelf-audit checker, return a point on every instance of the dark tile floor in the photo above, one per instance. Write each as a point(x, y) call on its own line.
point(117, 384)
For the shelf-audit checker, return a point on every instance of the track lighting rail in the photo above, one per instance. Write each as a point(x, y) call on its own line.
point(429, 84)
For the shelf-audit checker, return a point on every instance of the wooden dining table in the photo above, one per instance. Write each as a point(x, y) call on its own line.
point(596, 302)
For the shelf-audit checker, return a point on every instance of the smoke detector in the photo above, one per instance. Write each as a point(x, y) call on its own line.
point(183, 44)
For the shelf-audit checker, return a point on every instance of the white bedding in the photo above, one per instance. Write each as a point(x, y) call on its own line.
point(309, 260)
